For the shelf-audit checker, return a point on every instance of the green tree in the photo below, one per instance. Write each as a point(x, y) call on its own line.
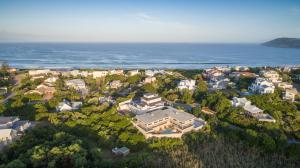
point(16, 164)
point(187, 96)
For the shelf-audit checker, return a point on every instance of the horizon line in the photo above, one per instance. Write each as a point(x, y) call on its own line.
point(130, 42)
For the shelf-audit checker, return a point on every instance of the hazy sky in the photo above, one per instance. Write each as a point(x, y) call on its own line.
point(148, 21)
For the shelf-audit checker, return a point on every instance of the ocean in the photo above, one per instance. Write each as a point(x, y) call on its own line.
point(144, 55)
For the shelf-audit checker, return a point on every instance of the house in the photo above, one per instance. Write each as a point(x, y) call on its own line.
point(14, 123)
point(7, 122)
point(39, 72)
point(187, 84)
point(7, 135)
point(77, 84)
point(241, 68)
point(99, 74)
point(3, 90)
point(124, 106)
point(168, 122)
point(290, 94)
point(108, 99)
point(284, 85)
point(286, 69)
point(11, 128)
point(133, 72)
point(213, 73)
point(43, 90)
point(120, 151)
point(237, 75)
point(219, 84)
point(262, 86)
point(33, 78)
point(149, 73)
point(252, 110)
point(84, 73)
point(149, 80)
point(68, 106)
point(12, 70)
point(273, 76)
point(115, 84)
point(240, 102)
point(153, 72)
point(50, 81)
point(148, 102)
point(74, 73)
point(21, 125)
point(116, 72)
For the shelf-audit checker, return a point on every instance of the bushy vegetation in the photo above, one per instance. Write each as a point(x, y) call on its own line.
point(85, 137)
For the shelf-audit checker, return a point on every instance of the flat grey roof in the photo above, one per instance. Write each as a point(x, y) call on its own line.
point(162, 113)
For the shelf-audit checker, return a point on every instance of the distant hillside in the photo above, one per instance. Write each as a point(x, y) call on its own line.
point(284, 43)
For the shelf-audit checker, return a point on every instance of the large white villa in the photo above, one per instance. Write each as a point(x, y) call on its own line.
point(262, 86)
point(148, 102)
point(252, 110)
point(167, 122)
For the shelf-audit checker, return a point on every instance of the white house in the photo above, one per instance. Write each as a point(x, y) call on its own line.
point(76, 84)
point(149, 72)
point(241, 68)
point(120, 151)
point(3, 90)
point(262, 86)
point(50, 81)
point(148, 102)
point(133, 72)
point(219, 84)
point(240, 102)
point(124, 106)
point(290, 94)
point(116, 72)
point(68, 106)
point(284, 85)
point(273, 76)
point(99, 74)
point(149, 80)
point(14, 123)
point(187, 84)
point(115, 84)
point(39, 72)
point(168, 122)
point(252, 110)
point(7, 135)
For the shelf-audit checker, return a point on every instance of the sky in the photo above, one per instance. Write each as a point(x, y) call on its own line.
point(207, 21)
